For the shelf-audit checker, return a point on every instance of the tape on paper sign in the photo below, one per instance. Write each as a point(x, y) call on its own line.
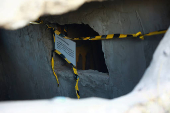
point(66, 47)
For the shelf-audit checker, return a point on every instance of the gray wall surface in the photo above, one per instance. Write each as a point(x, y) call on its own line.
point(26, 53)
point(25, 68)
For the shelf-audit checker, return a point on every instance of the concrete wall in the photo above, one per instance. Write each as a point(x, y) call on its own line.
point(126, 59)
point(25, 53)
point(25, 68)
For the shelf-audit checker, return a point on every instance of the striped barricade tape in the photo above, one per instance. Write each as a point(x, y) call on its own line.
point(102, 37)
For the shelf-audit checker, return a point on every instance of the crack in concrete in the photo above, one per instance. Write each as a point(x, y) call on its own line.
point(140, 22)
point(120, 23)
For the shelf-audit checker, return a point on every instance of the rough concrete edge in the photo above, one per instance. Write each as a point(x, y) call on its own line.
point(144, 98)
point(20, 12)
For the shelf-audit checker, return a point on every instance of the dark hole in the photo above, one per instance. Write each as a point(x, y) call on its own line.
point(89, 53)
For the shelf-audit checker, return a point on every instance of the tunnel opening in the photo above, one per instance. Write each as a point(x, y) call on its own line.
point(89, 54)
point(25, 65)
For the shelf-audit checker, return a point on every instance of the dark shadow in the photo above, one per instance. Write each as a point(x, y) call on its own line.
point(89, 53)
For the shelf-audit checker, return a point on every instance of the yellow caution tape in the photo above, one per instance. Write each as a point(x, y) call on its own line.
point(52, 59)
point(112, 36)
point(155, 33)
point(74, 70)
point(102, 37)
point(77, 89)
point(52, 64)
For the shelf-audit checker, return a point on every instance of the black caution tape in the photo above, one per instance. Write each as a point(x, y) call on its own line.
point(102, 37)
point(73, 67)
point(74, 70)
point(112, 36)
point(155, 33)
point(52, 59)
point(52, 65)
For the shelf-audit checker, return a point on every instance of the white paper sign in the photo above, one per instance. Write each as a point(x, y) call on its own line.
point(66, 47)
